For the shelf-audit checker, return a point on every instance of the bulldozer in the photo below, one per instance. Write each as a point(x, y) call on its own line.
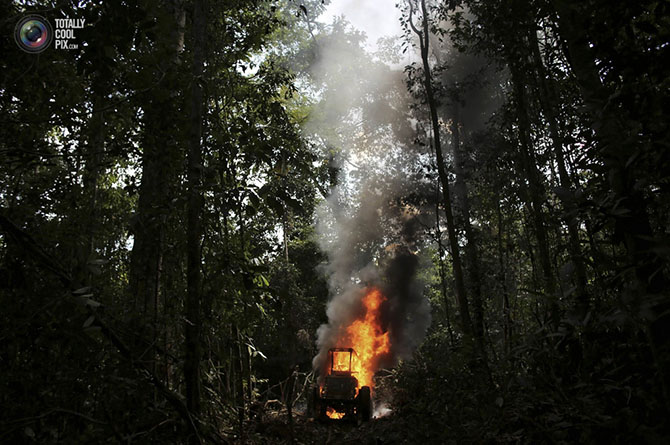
point(339, 395)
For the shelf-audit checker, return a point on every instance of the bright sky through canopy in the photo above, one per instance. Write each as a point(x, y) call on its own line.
point(377, 18)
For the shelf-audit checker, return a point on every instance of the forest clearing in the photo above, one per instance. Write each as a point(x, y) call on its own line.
point(334, 222)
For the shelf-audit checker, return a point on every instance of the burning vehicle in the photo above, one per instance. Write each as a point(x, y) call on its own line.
point(341, 397)
point(347, 373)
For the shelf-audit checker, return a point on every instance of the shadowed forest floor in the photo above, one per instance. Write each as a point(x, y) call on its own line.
point(274, 429)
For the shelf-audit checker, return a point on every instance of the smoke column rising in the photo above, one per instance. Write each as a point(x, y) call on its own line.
point(365, 226)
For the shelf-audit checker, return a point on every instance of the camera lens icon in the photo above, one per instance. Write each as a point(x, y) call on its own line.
point(33, 34)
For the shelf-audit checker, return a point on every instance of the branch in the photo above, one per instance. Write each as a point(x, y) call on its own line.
point(425, 25)
point(309, 25)
point(308, 380)
point(26, 241)
point(411, 23)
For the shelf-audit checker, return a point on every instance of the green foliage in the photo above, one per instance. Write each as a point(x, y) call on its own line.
point(78, 147)
point(596, 375)
point(537, 393)
point(560, 121)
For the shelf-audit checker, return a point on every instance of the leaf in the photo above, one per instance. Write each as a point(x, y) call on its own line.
point(264, 280)
point(499, 402)
point(99, 262)
point(93, 330)
point(254, 200)
point(251, 210)
point(81, 291)
point(89, 321)
point(261, 309)
point(294, 204)
point(620, 211)
point(93, 303)
point(632, 159)
point(86, 301)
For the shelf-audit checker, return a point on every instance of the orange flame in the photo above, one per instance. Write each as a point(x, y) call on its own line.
point(368, 339)
point(330, 412)
point(341, 361)
point(366, 336)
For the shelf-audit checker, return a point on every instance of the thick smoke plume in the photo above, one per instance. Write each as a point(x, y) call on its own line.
point(368, 225)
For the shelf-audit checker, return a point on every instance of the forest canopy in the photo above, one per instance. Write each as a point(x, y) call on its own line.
point(199, 199)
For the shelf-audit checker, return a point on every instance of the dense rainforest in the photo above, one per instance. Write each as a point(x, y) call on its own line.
point(199, 198)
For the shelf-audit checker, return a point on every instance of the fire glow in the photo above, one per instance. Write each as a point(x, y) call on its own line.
point(369, 341)
point(330, 412)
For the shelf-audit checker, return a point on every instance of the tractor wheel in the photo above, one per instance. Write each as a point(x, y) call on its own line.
point(364, 403)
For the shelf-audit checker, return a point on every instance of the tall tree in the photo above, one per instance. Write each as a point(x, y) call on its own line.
point(463, 206)
point(160, 157)
point(619, 146)
point(534, 193)
point(424, 45)
point(193, 324)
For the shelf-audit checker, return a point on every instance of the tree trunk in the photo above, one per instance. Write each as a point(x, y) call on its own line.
point(614, 137)
point(507, 320)
point(194, 229)
point(548, 102)
point(95, 153)
point(535, 195)
point(239, 383)
point(463, 208)
point(619, 145)
point(160, 162)
point(461, 295)
point(442, 266)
